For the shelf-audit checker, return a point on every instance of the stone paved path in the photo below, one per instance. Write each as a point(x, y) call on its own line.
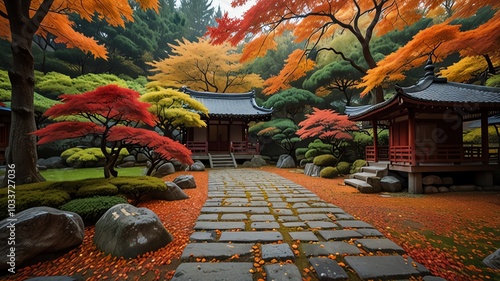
point(260, 225)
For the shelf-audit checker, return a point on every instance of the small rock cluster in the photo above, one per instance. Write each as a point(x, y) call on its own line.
point(437, 184)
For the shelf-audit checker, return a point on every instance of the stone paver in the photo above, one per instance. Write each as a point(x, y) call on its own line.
point(250, 209)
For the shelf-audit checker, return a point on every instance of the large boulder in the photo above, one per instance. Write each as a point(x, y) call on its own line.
point(432, 180)
point(312, 170)
point(127, 231)
point(129, 158)
point(197, 166)
point(55, 162)
point(164, 170)
point(173, 192)
point(37, 231)
point(286, 161)
point(185, 181)
point(390, 184)
point(258, 161)
point(493, 260)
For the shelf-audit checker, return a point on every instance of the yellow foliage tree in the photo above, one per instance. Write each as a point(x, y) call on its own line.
point(20, 21)
point(202, 66)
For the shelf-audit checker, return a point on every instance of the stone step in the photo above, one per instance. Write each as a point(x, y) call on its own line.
point(377, 170)
point(363, 176)
point(357, 183)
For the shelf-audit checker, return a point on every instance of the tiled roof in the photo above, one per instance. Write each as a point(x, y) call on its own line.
point(238, 105)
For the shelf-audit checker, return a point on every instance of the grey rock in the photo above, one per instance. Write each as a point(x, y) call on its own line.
point(375, 183)
point(312, 170)
point(327, 248)
point(141, 158)
point(129, 158)
point(173, 192)
point(126, 164)
point(127, 231)
point(390, 184)
point(303, 235)
point(285, 272)
point(164, 170)
point(327, 269)
point(463, 188)
point(443, 189)
point(258, 161)
point(285, 161)
point(383, 245)
point(281, 252)
point(185, 181)
point(248, 164)
point(216, 250)
point(432, 180)
point(493, 260)
point(197, 166)
point(430, 189)
point(39, 230)
point(382, 267)
point(249, 236)
point(55, 162)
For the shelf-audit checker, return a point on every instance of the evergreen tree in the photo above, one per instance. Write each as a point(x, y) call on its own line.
point(199, 15)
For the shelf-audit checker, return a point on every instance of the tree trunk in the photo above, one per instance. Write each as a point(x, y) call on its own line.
point(22, 144)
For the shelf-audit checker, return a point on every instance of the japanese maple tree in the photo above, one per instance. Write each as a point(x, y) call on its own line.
point(330, 127)
point(202, 66)
point(112, 113)
point(20, 22)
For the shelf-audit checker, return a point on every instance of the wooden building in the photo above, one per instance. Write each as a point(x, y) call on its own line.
point(426, 122)
point(4, 131)
point(226, 134)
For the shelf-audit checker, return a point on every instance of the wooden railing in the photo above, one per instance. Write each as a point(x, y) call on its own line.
point(197, 146)
point(437, 154)
point(244, 147)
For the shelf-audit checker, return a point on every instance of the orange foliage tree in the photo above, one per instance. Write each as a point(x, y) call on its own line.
point(316, 21)
point(202, 66)
point(112, 113)
point(20, 21)
point(477, 47)
point(330, 127)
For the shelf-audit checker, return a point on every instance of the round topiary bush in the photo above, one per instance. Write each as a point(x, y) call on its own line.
point(35, 198)
point(300, 153)
point(325, 160)
point(92, 208)
point(343, 167)
point(356, 166)
point(329, 173)
point(311, 153)
point(136, 187)
point(69, 152)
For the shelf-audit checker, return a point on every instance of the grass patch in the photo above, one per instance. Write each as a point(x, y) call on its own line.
point(87, 173)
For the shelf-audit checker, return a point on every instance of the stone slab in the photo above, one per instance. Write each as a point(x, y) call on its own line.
point(294, 224)
point(203, 236)
point(260, 225)
point(215, 250)
point(344, 216)
point(314, 217)
point(354, 224)
point(320, 210)
point(212, 225)
point(370, 232)
point(251, 210)
point(262, 218)
point(383, 245)
point(328, 270)
point(281, 252)
point(213, 271)
point(233, 217)
point(300, 205)
point(321, 224)
point(283, 212)
point(288, 218)
point(327, 248)
point(303, 235)
point(339, 234)
point(208, 217)
point(250, 236)
point(382, 267)
point(279, 205)
point(282, 272)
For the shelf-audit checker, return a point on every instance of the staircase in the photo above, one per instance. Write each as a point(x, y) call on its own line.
point(368, 176)
point(222, 160)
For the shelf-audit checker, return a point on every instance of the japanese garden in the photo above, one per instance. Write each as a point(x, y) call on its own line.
point(250, 140)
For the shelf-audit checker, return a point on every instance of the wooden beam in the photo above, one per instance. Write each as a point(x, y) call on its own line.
point(412, 136)
point(485, 153)
point(375, 140)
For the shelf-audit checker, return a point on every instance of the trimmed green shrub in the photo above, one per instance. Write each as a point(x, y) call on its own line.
point(136, 187)
point(91, 209)
point(34, 198)
point(97, 189)
point(343, 167)
point(311, 153)
point(69, 152)
point(91, 157)
point(325, 160)
point(329, 173)
point(323, 148)
point(356, 166)
point(300, 153)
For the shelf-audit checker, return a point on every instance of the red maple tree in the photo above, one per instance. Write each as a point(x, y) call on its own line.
point(113, 114)
point(329, 126)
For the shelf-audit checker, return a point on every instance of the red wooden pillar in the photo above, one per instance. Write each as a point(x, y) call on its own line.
point(375, 140)
point(412, 137)
point(485, 153)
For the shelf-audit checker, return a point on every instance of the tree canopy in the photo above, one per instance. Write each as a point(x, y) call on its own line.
point(204, 67)
point(292, 103)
